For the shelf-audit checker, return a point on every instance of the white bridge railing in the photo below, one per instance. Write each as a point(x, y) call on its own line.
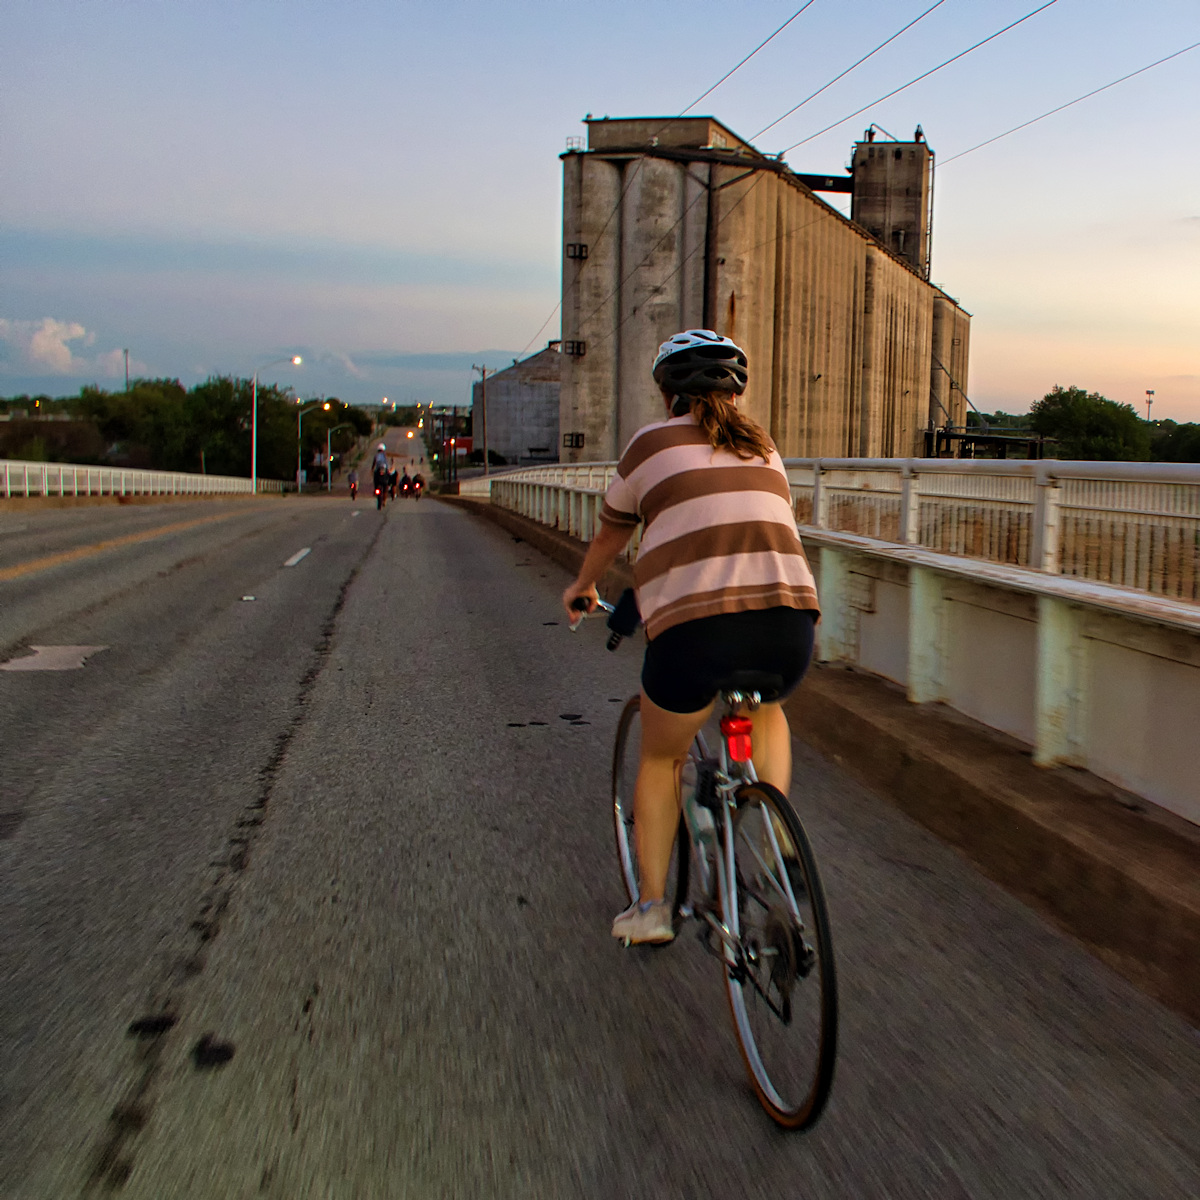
point(25, 479)
point(1132, 524)
point(1054, 601)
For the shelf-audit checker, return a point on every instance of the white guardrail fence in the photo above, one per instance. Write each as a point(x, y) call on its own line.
point(25, 479)
point(1058, 602)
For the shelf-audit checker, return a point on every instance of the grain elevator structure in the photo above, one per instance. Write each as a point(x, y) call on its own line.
point(671, 224)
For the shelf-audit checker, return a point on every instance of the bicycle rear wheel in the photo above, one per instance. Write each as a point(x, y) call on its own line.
point(627, 751)
point(783, 992)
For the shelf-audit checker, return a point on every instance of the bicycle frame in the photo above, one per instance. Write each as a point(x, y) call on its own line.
point(727, 775)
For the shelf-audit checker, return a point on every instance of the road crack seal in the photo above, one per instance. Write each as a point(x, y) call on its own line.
point(112, 1161)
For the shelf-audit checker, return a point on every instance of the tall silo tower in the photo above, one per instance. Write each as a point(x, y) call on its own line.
point(892, 195)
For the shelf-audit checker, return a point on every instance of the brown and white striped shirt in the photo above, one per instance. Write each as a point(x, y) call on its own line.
point(720, 536)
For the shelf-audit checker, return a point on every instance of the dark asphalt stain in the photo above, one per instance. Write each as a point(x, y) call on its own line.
point(130, 1116)
point(209, 1053)
point(10, 822)
point(516, 724)
point(148, 1027)
point(581, 722)
point(112, 1163)
point(549, 622)
point(538, 722)
point(570, 716)
point(522, 902)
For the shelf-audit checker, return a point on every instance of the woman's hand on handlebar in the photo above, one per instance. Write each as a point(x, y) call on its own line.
point(579, 600)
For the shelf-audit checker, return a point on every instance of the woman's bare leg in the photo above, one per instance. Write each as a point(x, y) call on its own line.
point(772, 746)
point(666, 737)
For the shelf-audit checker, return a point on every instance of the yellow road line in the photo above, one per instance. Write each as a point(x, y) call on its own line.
point(54, 560)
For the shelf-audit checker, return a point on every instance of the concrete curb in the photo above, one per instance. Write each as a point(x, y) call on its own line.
point(1101, 864)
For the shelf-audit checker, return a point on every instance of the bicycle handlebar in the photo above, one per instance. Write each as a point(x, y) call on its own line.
point(623, 617)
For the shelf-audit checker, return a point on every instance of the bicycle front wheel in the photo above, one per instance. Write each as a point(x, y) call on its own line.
point(627, 752)
point(783, 988)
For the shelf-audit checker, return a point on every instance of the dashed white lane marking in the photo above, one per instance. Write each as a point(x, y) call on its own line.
point(52, 658)
point(291, 562)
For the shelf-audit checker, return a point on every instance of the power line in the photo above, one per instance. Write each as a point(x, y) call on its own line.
point(633, 175)
point(853, 66)
point(925, 75)
point(749, 57)
point(666, 124)
point(1069, 104)
point(539, 332)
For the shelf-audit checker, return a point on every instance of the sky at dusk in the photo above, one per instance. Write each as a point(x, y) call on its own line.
point(376, 186)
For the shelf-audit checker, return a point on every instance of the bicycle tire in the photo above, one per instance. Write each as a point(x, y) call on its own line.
point(626, 752)
point(767, 990)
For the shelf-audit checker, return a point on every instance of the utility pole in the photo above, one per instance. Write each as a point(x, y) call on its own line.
point(483, 374)
point(1149, 401)
point(127, 370)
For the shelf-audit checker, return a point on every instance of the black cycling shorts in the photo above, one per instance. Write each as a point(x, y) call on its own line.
point(687, 665)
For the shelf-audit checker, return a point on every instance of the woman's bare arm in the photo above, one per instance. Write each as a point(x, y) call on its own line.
point(601, 554)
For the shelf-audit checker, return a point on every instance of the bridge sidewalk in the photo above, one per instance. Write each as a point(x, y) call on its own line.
point(1114, 871)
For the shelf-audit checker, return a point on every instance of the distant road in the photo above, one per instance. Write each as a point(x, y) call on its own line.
point(307, 895)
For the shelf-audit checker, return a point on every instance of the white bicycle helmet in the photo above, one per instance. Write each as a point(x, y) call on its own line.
point(698, 361)
point(383, 447)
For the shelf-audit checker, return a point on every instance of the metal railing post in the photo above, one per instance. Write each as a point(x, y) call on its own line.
point(820, 500)
point(910, 504)
point(1046, 522)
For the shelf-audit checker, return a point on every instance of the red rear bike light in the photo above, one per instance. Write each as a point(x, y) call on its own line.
point(736, 731)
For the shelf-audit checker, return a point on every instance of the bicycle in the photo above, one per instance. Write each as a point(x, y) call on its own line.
point(758, 897)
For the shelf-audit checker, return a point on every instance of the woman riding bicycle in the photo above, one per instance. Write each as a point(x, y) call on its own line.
point(722, 586)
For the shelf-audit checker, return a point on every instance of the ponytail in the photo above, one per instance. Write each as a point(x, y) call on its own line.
point(727, 429)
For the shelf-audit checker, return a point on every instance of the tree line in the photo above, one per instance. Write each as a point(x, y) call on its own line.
point(1086, 425)
point(161, 425)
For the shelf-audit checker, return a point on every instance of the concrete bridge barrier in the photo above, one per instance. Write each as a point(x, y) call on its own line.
point(1030, 627)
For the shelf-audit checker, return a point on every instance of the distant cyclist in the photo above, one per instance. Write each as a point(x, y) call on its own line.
point(379, 473)
point(352, 480)
point(722, 584)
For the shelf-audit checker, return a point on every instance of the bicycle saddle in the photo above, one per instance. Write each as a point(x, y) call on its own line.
point(765, 683)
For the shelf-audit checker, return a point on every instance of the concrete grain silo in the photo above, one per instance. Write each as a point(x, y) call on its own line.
point(676, 223)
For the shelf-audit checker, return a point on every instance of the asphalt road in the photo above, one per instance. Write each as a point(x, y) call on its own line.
point(297, 899)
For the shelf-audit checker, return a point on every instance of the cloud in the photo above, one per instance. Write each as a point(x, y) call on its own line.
point(45, 348)
point(335, 358)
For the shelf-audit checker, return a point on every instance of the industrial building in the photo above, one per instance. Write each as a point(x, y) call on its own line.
point(676, 223)
point(520, 418)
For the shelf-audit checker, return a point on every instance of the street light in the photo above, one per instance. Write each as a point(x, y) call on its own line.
point(300, 411)
point(329, 452)
point(1149, 401)
point(295, 360)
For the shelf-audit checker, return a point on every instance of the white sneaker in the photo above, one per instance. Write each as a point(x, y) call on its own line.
point(648, 922)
